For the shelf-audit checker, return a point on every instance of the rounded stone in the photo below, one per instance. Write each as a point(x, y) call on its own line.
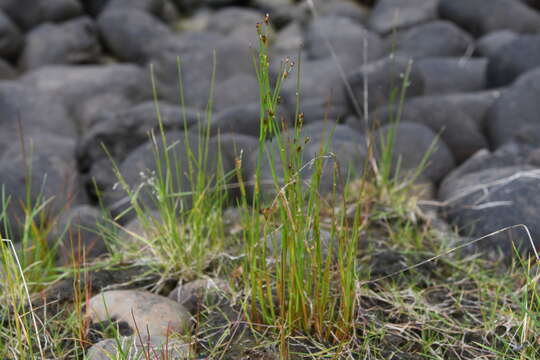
point(135, 347)
point(154, 314)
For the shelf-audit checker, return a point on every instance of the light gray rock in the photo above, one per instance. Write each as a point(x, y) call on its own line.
point(136, 348)
point(391, 15)
point(153, 314)
point(195, 294)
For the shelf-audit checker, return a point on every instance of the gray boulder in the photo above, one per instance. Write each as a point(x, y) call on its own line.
point(513, 59)
point(330, 143)
point(7, 72)
point(503, 15)
point(515, 109)
point(36, 179)
point(26, 109)
point(434, 39)
point(124, 30)
point(72, 42)
point(385, 80)
point(225, 21)
point(195, 51)
point(388, 15)
point(95, 7)
point(484, 202)
point(29, 13)
point(155, 7)
point(452, 75)
point(243, 119)
point(88, 90)
point(235, 91)
point(489, 44)
point(511, 154)
point(79, 232)
point(190, 5)
point(456, 128)
point(140, 169)
point(11, 39)
point(120, 132)
point(346, 38)
point(321, 88)
point(412, 143)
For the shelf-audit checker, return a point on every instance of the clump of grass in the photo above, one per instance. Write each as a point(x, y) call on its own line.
point(29, 331)
point(187, 233)
point(296, 292)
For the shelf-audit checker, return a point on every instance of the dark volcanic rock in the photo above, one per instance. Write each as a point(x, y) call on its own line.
point(412, 142)
point(384, 78)
point(475, 105)
point(72, 42)
point(225, 21)
point(125, 30)
point(511, 154)
point(346, 38)
point(7, 72)
point(348, 9)
point(61, 148)
point(139, 168)
point(78, 231)
point(95, 7)
point(452, 75)
point(456, 128)
point(155, 7)
point(434, 39)
point(36, 112)
point(196, 53)
point(397, 14)
point(51, 179)
point(320, 84)
point(11, 39)
point(347, 146)
point(235, 91)
point(513, 59)
point(503, 14)
point(490, 43)
point(486, 201)
point(120, 132)
point(190, 5)
point(243, 119)
point(88, 90)
point(29, 13)
point(516, 108)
